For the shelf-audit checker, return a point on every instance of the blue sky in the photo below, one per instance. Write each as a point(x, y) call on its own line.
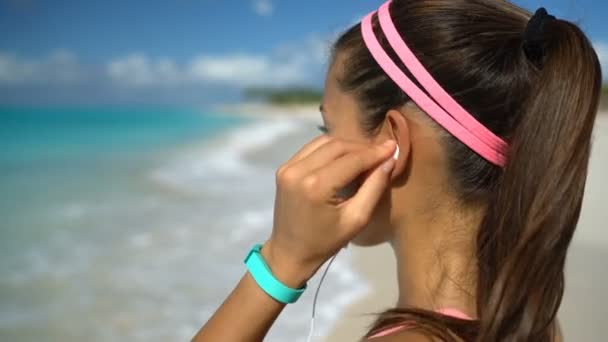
point(186, 51)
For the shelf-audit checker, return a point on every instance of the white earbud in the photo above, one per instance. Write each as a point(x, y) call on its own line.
point(396, 155)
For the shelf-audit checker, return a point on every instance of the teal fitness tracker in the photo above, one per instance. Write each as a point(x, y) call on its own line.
point(262, 275)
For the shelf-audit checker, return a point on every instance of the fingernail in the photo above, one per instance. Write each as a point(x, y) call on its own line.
point(396, 155)
point(388, 165)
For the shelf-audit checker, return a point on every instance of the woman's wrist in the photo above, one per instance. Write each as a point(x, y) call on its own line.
point(286, 271)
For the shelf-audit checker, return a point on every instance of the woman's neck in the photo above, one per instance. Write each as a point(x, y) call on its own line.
point(436, 265)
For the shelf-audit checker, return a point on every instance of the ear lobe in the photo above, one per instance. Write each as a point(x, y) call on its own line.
point(399, 130)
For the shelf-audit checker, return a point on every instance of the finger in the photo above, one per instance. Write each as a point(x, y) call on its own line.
point(309, 148)
point(334, 176)
point(327, 154)
point(359, 209)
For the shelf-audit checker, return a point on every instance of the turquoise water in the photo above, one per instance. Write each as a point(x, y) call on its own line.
point(76, 202)
point(130, 224)
point(29, 135)
point(49, 156)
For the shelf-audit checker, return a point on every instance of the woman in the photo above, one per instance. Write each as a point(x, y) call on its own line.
point(492, 110)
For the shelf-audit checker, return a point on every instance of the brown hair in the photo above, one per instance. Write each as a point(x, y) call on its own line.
point(545, 109)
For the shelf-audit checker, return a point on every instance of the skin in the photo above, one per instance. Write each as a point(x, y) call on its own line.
point(410, 206)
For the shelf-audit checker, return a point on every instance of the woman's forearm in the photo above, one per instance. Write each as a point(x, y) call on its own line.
point(248, 312)
point(246, 315)
point(310, 225)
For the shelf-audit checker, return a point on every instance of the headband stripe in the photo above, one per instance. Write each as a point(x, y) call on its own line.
point(432, 87)
point(479, 144)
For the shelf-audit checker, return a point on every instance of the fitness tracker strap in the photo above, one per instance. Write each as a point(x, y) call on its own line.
point(261, 273)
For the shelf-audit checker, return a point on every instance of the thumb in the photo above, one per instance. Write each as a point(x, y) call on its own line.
point(362, 205)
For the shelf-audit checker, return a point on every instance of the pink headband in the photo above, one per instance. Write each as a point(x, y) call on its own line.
point(443, 109)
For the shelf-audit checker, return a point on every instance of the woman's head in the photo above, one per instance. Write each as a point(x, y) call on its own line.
point(480, 63)
point(543, 105)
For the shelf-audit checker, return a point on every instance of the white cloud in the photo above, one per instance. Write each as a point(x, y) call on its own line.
point(288, 64)
point(263, 7)
point(293, 63)
point(60, 66)
point(602, 51)
point(238, 70)
point(137, 70)
point(234, 69)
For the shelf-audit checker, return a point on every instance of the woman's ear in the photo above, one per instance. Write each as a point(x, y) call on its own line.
point(398, 128)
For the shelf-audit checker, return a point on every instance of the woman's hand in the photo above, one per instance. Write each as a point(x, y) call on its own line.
point(310, 225)
point(310, 222)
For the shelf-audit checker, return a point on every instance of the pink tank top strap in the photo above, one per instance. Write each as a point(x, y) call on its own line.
point(445, 311)
point(454, 313)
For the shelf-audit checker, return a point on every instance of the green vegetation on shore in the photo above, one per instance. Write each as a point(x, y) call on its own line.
point(285, 96)
point(306, 96)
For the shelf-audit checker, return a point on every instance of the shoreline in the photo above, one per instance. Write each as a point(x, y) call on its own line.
point(270, 111)
point(297, 125)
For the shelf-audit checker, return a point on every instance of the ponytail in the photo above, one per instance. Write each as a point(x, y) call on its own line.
point(524, 237)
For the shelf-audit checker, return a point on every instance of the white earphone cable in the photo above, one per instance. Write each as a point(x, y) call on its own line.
point(314, 302)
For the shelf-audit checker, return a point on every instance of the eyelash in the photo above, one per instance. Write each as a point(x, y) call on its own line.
point(323, 129)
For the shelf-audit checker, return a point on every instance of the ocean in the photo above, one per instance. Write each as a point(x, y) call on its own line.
point(131, 224)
